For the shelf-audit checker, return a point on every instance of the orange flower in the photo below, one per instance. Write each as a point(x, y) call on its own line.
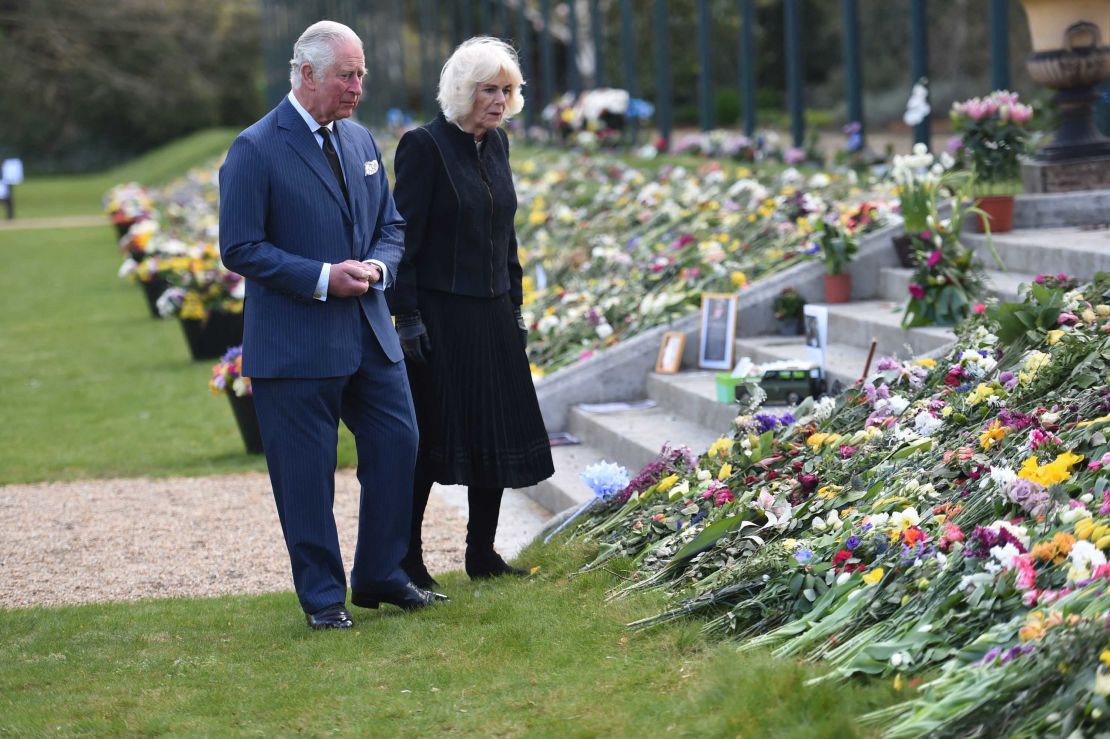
point(912, 536)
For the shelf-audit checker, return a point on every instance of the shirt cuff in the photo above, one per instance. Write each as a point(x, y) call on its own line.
point(321, 292)
point(380, 284)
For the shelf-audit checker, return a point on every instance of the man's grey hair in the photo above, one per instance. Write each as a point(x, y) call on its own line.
point(316, 48)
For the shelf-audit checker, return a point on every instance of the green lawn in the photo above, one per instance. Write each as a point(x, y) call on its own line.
point(542, 657)
point(91, 386)
point(43, 197)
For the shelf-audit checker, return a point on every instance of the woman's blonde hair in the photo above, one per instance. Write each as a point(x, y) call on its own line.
point(475, 61)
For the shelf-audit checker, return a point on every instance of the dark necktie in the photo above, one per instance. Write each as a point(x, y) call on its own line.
point(333, 161)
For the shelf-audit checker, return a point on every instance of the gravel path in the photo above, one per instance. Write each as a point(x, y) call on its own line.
point(110, 540)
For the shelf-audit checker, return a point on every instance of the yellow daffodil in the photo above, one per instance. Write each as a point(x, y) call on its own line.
point(995, 432)
point(874, 576)
point(720, 447)
point(1056, 471)
point(726, 470)
point(666, 483)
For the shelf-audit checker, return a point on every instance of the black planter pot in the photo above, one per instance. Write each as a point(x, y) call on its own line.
point(903, 247)
point(211, 338)
point(243, 408)
point(153, 289)
point(790, 326)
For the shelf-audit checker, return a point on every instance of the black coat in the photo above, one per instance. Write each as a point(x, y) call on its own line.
point(459, 209)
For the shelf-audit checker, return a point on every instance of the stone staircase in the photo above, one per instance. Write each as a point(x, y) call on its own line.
point(684, 409)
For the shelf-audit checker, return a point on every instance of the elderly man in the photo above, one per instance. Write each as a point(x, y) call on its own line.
point(307, 217)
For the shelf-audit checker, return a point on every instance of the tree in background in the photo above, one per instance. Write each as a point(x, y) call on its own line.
point(88, 84)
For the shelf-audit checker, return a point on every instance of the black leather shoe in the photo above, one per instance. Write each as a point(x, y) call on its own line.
point(409, 598)
point(334, 616)
point(489, 564)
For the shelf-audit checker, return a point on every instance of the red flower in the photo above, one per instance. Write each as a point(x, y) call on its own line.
point(916, 291)
point(841, 557)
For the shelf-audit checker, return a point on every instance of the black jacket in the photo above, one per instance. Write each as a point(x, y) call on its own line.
point(459, 211)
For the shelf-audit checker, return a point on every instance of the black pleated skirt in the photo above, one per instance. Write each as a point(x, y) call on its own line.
point(476, 406)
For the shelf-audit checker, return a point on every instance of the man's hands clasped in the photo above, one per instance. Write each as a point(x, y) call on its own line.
point(352, 278)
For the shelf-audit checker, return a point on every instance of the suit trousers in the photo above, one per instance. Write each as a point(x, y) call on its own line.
point(299, 420)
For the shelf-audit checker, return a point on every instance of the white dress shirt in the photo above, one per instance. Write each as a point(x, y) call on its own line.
point(321, 292)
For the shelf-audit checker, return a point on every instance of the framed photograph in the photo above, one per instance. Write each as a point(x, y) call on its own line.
point(670, 352)
point(817, 334)
point(718, 330)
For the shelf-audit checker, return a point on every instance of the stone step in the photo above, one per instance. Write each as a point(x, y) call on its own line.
point(858, 322)
point(565, 489)
point(843, 362)
point(635, 437)
point(1078, 252)
point(894, 283)
point(693, 395)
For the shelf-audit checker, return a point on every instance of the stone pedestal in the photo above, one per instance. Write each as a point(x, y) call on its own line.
point(1066, 176)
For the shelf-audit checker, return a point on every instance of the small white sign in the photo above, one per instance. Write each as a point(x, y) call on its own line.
point(3, 191)
point(11, 171)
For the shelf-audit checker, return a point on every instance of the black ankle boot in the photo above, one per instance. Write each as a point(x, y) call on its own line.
point(413, 563)
point(488, 563)
point(481, 559)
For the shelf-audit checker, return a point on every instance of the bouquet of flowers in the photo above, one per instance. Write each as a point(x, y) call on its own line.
point(993, 132)
point(948, 279)
point(199, 285)
point(947, 518)
point(839, 245)
point(227, 375)
point(127, 203)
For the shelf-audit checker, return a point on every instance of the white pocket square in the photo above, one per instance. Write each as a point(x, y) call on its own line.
point(371, 167)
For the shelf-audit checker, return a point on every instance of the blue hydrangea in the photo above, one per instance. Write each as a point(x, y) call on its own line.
point(605, 478)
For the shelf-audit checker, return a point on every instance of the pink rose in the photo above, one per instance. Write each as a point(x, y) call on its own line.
point(917, 292)
point(934, 258)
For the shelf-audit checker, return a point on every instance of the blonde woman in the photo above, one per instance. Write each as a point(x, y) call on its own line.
point(457, 302)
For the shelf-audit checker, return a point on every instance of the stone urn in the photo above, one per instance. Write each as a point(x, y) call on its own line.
point(1071, 54)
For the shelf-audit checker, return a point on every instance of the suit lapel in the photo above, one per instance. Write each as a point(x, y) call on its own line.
point(303, 142)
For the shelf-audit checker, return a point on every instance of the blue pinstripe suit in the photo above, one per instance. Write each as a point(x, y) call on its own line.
point(313, 363)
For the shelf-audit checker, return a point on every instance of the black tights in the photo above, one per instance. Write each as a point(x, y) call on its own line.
point(485, 506)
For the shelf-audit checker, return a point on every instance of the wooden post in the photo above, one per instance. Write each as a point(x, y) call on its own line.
point(705, 71)
point(1000, 44)
point(663, 70)
point(599, 38)
point(794, 81)
point(919, 60)
point(747, 65)
point(853, 79)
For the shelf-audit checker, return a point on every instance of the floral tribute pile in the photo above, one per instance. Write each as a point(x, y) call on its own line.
point(610, 249)
point(172, 243)
point(943, 524)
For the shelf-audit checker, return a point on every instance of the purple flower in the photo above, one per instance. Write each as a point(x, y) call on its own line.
point(803, 555)
point(852, 543)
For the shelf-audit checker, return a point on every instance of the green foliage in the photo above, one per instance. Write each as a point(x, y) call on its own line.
point(87, 85)
point(838, 247)
point(54, 196)
point(541, 657)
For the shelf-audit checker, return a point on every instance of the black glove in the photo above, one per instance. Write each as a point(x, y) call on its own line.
point(522, 327)
point(414, 337)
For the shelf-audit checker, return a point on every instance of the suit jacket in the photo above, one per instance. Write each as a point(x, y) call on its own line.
point(282, 215)
point(459, 206)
